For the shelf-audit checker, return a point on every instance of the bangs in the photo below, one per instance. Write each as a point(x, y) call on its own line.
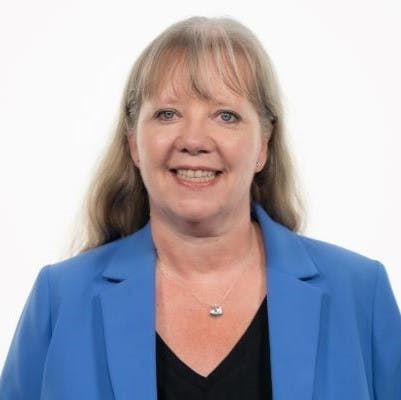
point(200, 60)
point(190, 69)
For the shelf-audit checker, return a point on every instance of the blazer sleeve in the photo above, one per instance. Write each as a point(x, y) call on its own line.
point(386, 338)
point(22, 372)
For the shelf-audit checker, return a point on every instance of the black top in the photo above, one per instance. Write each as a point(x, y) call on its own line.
point(244, 374)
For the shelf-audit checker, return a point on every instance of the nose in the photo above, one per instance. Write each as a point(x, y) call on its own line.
point(194, 139)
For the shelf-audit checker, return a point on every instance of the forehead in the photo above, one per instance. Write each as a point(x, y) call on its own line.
point(177, 75)
point(178, 85)
point(173, 94)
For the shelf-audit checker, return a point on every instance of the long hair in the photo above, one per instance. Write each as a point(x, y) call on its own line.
point(117, 203)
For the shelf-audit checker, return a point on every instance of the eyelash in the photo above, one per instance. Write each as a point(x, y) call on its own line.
point(235, 115)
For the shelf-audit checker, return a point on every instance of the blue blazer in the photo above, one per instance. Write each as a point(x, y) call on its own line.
point(87, 331)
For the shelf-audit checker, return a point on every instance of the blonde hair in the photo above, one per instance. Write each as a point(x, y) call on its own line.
point(117, 202)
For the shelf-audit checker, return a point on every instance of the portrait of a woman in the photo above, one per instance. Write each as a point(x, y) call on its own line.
point(193, 280)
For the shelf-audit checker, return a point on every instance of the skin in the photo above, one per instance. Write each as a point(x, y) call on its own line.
point(203, 236)
point(200, 233)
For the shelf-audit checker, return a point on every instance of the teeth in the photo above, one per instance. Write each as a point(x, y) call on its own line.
point(196, 175)
point(190, 173)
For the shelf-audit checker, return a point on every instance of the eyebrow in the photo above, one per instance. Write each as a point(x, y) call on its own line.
point(168, 99)
point(177, 100)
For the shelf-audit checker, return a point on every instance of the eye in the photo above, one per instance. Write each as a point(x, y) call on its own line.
point(229, 116)
point(165, 115)
point(226, 116)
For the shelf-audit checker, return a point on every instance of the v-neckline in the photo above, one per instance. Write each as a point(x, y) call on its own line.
point(228, 365)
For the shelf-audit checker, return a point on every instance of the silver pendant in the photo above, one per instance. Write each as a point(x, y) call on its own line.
point(216, 311)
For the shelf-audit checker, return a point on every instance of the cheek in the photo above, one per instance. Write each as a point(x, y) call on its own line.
point(145, 145)
point(242, 153)
point(153, 150)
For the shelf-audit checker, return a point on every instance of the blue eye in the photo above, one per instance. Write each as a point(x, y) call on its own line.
point(165, 115)
point(226, 116)
point(229, 116)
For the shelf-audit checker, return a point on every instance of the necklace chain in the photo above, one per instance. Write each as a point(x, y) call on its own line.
point(215, 310)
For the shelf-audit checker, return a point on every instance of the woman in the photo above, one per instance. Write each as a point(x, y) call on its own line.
point(194, 281)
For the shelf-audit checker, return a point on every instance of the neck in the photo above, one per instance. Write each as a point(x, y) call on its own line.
point(201, 255)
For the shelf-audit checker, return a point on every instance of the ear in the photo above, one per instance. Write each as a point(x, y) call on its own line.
point(264, 151)
point(133, 147)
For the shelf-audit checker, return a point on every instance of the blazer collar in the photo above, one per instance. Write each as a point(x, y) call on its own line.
point(294, 306)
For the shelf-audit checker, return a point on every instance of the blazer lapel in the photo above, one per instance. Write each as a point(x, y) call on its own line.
point(129, 318)
point(294, 307)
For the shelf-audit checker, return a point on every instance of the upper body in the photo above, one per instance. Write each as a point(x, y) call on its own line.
point(88, 328)
point(192, 222)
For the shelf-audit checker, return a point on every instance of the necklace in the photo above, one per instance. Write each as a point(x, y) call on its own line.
point(216, 309)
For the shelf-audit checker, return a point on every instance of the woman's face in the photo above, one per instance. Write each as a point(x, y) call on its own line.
point(197, 158)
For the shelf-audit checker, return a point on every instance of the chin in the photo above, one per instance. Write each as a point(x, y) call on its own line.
point(195, 210)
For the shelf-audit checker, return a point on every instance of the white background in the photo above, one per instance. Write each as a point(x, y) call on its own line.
point(62, 70)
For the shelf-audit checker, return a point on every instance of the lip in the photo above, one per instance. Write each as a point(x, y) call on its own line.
point(196, 167)
point(195, 185)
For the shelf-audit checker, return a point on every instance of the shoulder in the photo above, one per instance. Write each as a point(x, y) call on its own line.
point(340, 263)
point(304, 256)
point(83, 272)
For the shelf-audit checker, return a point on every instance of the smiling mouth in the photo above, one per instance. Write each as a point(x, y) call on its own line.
point(196, 175)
